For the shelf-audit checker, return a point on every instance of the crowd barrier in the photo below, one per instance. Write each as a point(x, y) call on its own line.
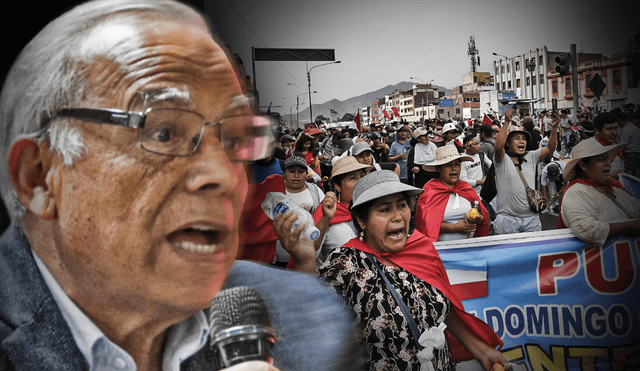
point(558, 303)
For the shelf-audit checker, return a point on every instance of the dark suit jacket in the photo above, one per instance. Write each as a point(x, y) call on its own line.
point(313, 331)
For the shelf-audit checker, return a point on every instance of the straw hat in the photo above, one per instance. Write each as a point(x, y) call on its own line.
point(444, 155)
point(347, 165)
point(379, 184)
point(587, 148)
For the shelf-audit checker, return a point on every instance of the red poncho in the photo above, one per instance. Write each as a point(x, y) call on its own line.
point(342, 214)
point(433, 202)
point(420, 258)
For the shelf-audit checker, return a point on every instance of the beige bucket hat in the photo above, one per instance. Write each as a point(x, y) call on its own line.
point(444, 155)
point(587, 148)
point(347, 165)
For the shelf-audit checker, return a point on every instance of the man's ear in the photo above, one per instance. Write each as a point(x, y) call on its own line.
point(30, 173)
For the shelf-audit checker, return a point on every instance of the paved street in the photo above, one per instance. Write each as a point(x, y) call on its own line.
point(549, 221)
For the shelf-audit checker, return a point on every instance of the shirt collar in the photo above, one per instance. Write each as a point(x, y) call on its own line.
point(183, 339)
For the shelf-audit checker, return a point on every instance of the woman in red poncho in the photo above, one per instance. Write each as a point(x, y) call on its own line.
point(442, 210)
point(385, 273)
point(334, 221)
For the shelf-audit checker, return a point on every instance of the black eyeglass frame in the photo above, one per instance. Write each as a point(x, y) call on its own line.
point(136, 120)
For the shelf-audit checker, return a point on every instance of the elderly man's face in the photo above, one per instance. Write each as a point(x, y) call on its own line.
point(140, 229)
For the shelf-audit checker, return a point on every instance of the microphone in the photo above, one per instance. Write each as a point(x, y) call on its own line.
point(240, 328)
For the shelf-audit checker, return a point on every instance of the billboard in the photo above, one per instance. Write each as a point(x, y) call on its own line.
point(482, 77)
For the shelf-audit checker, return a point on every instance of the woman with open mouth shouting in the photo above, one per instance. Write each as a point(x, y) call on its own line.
point(397, 286)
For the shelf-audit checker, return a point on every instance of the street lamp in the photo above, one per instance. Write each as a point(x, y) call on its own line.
point(309, 79)
point(297, 102)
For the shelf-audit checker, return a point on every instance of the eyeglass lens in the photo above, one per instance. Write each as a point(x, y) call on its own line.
point(179, 132)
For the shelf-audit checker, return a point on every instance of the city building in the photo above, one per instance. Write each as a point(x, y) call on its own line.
point(616, 74)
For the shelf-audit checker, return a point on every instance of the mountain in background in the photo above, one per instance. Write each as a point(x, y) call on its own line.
point(351, 105)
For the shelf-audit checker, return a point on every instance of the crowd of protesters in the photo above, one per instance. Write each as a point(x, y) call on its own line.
point(391, 191)
point(538, 148)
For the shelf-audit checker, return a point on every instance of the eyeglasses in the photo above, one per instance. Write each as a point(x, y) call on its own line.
point(178, 132)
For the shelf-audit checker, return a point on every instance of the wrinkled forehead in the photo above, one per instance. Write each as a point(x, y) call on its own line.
point(121, 33)
point(150, 59)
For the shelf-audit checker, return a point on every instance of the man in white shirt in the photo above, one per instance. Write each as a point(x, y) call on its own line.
point(305, 194)
point(566, 123)
point(474, 172)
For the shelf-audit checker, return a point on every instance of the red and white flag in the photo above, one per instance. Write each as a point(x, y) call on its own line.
point(391, 112)
point(357, 120)
point(487, 120)
point(468, 278)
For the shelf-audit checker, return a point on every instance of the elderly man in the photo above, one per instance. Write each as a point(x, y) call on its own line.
point(125, 136)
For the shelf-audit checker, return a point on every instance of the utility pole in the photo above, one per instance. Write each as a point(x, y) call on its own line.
point(574, 79)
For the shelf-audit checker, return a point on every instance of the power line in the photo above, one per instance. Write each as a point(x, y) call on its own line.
point(258, 37)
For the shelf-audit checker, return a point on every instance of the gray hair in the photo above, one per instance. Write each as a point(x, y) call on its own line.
point(49, 74)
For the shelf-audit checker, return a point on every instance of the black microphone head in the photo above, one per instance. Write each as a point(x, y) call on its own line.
point(240, 327)
point(238, 306)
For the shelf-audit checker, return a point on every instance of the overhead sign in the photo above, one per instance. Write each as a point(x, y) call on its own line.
point(446, 102)
point(597, 85)
point(288, 54)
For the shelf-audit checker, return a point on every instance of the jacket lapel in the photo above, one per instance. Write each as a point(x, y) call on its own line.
point(41, 339)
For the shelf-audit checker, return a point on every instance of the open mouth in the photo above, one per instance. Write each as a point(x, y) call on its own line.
point(396, 235)
point(198, 238)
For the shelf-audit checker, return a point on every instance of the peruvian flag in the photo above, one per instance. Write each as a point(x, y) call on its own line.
point(391, 112)
point(468, 278)
point(487, 120)
point(357, 120)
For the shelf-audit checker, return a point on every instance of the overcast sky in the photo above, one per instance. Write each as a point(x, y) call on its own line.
point(385, 42)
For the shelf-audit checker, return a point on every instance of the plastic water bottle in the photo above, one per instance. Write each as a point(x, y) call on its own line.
point(278, 203)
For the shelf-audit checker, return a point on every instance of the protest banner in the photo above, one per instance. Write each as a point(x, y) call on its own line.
point(558, 303)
